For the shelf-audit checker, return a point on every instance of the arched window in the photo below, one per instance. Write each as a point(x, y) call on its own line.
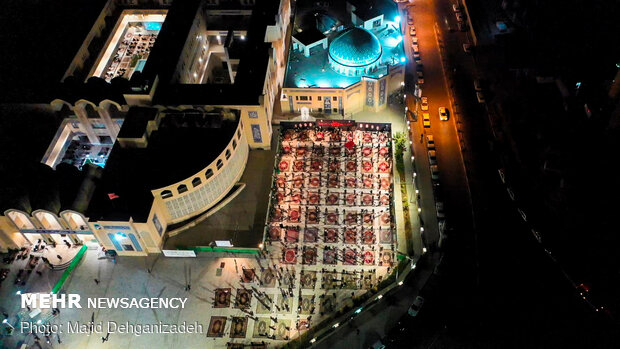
point(166, 194)
point(209, 173)
point(220, 163)
point(196, 182)
point(234, 144)
point(182, 188)
point(227, 154)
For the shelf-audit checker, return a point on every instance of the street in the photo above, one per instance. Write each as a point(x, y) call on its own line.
point(515, 296)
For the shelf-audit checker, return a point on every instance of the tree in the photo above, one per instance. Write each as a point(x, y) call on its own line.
point(400, 142)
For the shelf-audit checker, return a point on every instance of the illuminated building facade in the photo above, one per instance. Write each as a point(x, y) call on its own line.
point(354, 64)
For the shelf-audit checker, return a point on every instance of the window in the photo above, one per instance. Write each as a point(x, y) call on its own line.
point(253, 114)
point(227, 154)
point(335, 98)
point(182, 188)
point(256, 133)
point(296, 98)
point(128, 247)
point(234, 144)
point(335, 110)
point(209, 173)
point(320, 110)
point(220, 163)
point(319, 98)
point(196, 182)
point(166, 194)
point(303, 98)
point(310, 97)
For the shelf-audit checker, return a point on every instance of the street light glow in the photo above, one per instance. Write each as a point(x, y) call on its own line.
point(397, 19)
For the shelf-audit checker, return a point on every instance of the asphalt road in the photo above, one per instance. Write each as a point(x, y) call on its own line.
point(452, 177)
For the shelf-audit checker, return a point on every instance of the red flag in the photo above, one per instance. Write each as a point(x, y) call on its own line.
point(113, 196)
point(349, 145)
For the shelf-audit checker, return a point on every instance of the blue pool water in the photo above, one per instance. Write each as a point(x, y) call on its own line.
point(140, 65)
point(152, 25)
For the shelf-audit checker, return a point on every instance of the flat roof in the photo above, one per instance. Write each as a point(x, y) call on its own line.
point(134, 124)
point(184, 144)
point(309, 36)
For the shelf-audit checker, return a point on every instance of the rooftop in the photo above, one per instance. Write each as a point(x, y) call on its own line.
point(314, 71)
point(184, 144)
point(355, 47)
point(309, 36)
point(249, 81)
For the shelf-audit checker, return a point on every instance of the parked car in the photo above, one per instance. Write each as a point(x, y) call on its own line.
point(415, 48)
point(434, 172)
point(444, 114)
point(430, 142)
point(456, 8)
point(459, 16)
point(416, 306)
point(426, 120)
point(480, 97)
point(424, 103)
point(412, 31)
point(432, 157)
point(420, 77)
point(416, 56)
point(419, 67)
point(414, 40)
point(410, 21)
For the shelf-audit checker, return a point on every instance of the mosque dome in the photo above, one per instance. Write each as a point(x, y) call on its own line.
point(355, 48)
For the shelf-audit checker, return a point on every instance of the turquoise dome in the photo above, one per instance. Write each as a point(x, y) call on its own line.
point(356, 47)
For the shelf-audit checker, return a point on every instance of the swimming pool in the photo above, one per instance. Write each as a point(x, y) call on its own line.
point(152, 25)
point(140, 65)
